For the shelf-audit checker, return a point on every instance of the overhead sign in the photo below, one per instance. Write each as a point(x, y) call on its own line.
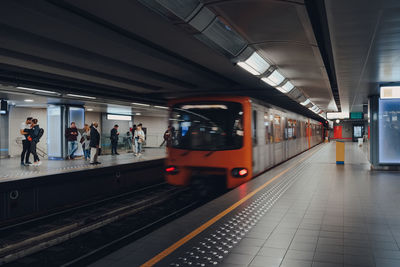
point(356, 115)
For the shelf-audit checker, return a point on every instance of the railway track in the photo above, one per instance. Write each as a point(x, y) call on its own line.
point(81, 235)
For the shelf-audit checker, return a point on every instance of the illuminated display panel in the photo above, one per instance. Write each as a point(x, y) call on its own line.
point(389, 131)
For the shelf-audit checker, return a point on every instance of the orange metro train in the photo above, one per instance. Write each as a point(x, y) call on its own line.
point(232, 139)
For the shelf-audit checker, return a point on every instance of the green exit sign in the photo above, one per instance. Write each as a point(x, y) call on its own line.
point(356, 115)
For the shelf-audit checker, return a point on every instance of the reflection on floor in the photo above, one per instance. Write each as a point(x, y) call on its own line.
point(12, 170)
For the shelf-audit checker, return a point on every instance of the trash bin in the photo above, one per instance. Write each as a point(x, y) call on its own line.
point(339, 152)
point(360, 141)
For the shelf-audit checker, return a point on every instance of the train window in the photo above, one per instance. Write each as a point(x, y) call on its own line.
point(291, 129)
point(277, 129)
point(207, 125)
point(254, 128)
point(269, 137)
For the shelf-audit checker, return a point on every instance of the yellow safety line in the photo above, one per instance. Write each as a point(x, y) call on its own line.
point(203, 227)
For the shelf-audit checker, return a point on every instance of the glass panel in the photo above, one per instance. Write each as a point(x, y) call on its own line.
point(389, 131)
point(54, 137)
point(207, 125)
point(77, 115)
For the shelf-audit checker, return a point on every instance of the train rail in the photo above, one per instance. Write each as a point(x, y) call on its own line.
point(83, 234)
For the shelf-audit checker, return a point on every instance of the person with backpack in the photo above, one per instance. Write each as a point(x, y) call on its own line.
point(35, 133)
point(26, 144)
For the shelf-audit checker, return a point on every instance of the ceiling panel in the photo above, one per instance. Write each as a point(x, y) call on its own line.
point(366, 46)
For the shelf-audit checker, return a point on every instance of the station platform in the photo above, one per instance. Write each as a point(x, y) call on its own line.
point(307, 211)
point(11, 169)
point(29, 191)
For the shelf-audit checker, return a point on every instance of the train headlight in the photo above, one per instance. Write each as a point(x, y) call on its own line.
point(239, 172)
point(171, 170)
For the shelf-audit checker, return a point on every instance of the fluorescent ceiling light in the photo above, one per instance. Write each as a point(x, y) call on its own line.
point(204, 107)
point(29, 100)
point(119, 117)
point(255, 64)
point(37, 90)
point(89, 109)
point(274, 79)
point(141, 104)
point(81, 96)
point(246, 67)
point(138, 113)
point(286, 88)
point(390, 92)
point(161, 107)
point(337, 115)
point(305, 103)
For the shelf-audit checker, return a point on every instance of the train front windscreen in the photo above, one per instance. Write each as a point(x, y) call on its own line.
point(207, 126)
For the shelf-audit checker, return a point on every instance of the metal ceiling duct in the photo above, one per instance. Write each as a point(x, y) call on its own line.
point(174, 10)
point(184, 9)
point(204, 24)
point(224, 37)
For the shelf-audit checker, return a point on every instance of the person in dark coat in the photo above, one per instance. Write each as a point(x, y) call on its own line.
point(34, 138)
point(94, 143)
point(114, 140)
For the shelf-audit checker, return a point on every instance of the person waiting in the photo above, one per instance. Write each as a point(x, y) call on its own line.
point(34, 137)
point(139, 139)
point(26, 144)
point(85, 141)
point(71, 134)
point(114, 140)
point(94, 143)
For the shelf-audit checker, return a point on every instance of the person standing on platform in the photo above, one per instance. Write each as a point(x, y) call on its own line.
point(114, 140)
point(85, 141)
point(34, 137)
point(167, 137)
point(133, 129)
point(139, 139)
point(72, 136)
point(94, 143)
point(26, 144)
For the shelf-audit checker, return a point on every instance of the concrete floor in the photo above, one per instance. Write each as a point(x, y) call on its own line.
point(12, 170)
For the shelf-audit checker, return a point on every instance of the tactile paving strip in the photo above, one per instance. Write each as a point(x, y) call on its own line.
point(213, 248)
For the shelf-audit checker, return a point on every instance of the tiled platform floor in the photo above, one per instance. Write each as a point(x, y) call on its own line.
point(12, 170)
point(332, 215)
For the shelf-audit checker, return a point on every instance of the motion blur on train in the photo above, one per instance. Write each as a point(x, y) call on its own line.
point(229, 140)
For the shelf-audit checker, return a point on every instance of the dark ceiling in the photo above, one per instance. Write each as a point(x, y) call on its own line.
point(122, 49)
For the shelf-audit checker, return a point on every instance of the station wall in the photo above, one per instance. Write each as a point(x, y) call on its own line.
point(156, 126)
point(91, 117)
point(18, 115)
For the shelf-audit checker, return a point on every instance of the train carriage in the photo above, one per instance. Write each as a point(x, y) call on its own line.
point(232, 139)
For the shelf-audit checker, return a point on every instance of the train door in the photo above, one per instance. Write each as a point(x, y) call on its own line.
point(269, 139)
point(278, 138)
point(254, 134)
